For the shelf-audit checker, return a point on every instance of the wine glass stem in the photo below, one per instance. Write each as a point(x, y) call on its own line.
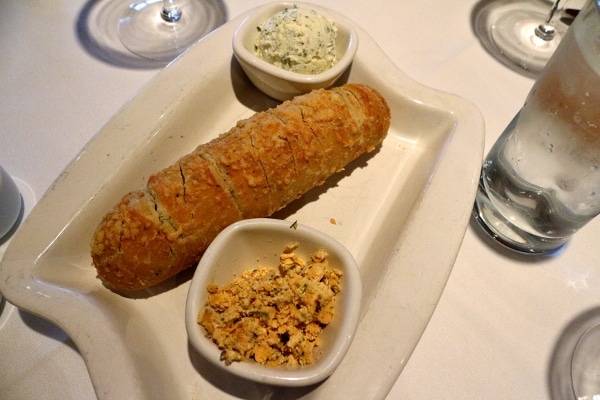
point(546, 31)
point(170, 11)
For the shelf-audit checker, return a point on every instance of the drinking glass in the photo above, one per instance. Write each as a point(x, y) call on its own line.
point(162, 29)
point(521, 33)
point(540, 183)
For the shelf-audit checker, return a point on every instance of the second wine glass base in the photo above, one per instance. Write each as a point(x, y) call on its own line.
point(144, 32)
point(506, 29)
point(514, 35)
point(585, 365)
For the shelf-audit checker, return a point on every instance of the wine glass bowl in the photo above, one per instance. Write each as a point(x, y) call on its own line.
point(282, 84)
point(163, 29)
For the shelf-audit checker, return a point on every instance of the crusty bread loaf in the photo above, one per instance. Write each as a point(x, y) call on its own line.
point(256, 168)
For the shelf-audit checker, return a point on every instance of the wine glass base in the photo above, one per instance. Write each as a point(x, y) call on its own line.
point(507, 31)
point(514, 36)
point(585, 365)
point(144, 32)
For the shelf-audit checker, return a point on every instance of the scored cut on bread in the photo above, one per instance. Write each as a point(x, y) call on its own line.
point(256, 168)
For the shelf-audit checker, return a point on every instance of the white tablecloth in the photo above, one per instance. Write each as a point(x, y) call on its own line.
point(499, 329)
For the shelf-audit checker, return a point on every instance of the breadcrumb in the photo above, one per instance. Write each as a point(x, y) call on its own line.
point(273, 316)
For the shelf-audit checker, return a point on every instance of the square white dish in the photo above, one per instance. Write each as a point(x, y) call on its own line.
point(401, 211)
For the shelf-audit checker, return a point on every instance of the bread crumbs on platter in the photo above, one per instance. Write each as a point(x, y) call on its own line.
point(273, 316)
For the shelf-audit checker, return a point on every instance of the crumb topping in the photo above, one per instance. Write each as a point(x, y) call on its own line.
point(273, 316)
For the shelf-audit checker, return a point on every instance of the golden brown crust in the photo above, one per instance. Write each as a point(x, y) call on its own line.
point(256, 168)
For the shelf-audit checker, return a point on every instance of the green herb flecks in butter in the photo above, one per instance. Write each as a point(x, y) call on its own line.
point(298, 40)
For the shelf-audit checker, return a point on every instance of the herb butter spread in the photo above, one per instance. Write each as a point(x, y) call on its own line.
point(298, 40)
point(273, 317)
